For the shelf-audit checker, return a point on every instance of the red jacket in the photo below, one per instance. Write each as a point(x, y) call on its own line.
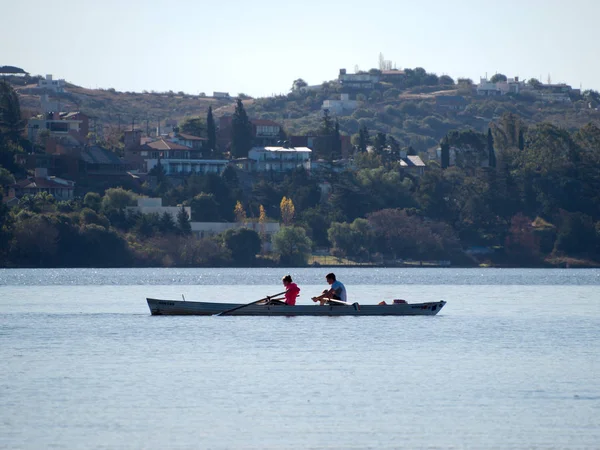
point(291, 292)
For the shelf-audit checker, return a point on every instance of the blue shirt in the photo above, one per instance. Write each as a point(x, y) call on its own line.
point(340, 290)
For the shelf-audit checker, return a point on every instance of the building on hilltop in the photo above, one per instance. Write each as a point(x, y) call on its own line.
point(49, 84)
point(358, 81)
point(392, 75)
point(341, 107)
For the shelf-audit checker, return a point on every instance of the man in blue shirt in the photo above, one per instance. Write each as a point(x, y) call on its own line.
point(337, 291)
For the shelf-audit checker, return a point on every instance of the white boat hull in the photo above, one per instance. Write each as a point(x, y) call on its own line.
point(182, 308)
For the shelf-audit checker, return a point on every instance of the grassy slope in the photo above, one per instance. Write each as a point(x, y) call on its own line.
point(299, 116)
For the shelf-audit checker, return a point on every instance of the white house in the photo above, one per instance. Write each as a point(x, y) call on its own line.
point(340, 107)
point(52, 85)
point(147, 205)
point(189, 166)
point(359, 81)
point(279, 159)
point(510, 86)
point(487, 88)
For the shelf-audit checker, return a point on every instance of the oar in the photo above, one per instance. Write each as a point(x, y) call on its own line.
point(339, 302)
point(253, 303)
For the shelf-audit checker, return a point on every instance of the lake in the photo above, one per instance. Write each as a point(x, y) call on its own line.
point(512, 361)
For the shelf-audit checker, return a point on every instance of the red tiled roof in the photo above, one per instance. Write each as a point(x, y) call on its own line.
point(42, 183)
point(161, 144)
point(189, 137)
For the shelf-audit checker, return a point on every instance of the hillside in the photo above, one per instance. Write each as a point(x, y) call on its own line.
point(107, 105)
point(413, 114)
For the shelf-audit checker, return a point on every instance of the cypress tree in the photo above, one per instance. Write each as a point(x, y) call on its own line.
point(363, 138)
point(211, 131)
point(241, 132)
point(521, 140)
point(490, 147)
point(445, 156)
point(336, 150)
point(11, 123)
point(183, 222)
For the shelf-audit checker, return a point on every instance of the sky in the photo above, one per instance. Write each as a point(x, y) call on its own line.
point(260, 47)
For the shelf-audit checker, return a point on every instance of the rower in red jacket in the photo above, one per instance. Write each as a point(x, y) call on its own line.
point(291, 290)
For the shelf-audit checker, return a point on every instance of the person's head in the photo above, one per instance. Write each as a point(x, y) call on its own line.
point(286, 280)
point(330, 277)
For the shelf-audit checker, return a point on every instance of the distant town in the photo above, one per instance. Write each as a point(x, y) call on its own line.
point(378, 167)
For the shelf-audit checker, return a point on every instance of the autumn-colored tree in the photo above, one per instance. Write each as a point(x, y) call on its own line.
point(240, 213)
point(262, 222)
point(287, 210)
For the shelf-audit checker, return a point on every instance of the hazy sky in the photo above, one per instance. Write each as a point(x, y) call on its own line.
point(259, 47)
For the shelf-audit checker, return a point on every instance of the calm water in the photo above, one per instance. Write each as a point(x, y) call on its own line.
point(512, 361)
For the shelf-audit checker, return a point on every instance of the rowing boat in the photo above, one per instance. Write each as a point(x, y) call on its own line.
point(184, 308)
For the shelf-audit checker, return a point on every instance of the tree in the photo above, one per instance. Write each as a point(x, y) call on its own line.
point(195, 126)
point(336, 146)
point(183, 222)
point(104, 247)
point(298, 84)
point(379, 142)
point(498, 77)
point(446, 80)
point(292, 245)
point(521, 244)
point(35, 242)
point(240, 213)
point(262, 223)
point(12, 125)
point(118, 198)
point(241, 132)
point(244, 245)
point(534, 83)
point(353, 240)
point(6, 178)
point(166, 224)
point(363, 138)
point(211, 131)
point(521, 142)
point(394, 148)
point(287, 210)
point(327, 126)
point(205, 208)
point(445, 150)
point(93, 201)
point(490, 148)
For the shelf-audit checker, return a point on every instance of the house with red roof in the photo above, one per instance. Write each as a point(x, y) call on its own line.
point(59, 188)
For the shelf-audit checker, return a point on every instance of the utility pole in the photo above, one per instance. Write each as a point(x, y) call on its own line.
point(147, 127)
